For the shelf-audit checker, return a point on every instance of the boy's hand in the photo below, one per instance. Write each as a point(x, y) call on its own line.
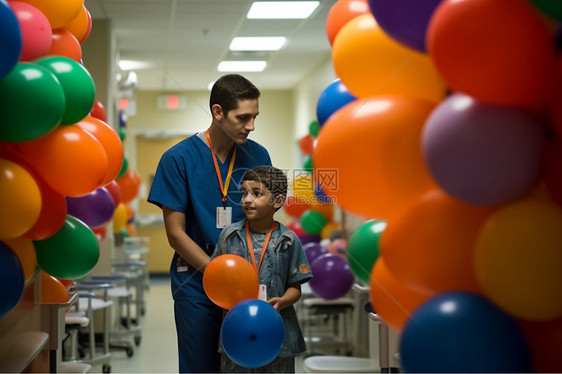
point(276, 302)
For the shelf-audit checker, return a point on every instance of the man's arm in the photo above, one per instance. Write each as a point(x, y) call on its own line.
point(174, 222)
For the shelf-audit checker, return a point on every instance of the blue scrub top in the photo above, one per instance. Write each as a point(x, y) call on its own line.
point(186, 181)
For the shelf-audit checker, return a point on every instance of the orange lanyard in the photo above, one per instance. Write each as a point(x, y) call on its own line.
point(251, 247)
point(224, 188)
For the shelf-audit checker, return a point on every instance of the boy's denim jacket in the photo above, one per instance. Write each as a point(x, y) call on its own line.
point(286, 252)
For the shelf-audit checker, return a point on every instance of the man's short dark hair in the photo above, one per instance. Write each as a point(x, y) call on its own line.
point(229, 89)
point(272, 178)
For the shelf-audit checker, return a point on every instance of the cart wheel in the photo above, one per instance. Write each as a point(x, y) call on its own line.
point(137, 340)
point(106, 368)
point(130, 352)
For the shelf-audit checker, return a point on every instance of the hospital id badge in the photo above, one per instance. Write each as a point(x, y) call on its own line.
point(224, 216)
point(262, 293)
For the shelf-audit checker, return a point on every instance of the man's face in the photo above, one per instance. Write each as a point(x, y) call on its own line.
point(238, 123)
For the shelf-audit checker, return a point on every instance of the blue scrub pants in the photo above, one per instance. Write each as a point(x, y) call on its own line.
point(198, 324)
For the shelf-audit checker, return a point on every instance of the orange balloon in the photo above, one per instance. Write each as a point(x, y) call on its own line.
point(129, 184)
point(25, 250)
point(130, 229)
point(101, 232)
point(66, 282)
point(393, 301)
point(374, 145)
point(52, 290)
point(429, 247)
point(229, 279)
point(69, 159)
point(88, 29)
point(341, 13)
point(327, 210)
point(79, 25)
point(20, 200)
point(60, 12)
point(65, 44)
point(110, 141)
point(472, 45)
point(370, 63)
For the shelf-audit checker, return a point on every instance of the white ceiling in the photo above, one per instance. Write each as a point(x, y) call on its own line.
point(185, 40)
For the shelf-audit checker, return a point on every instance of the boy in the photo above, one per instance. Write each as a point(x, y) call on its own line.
point(277, 256)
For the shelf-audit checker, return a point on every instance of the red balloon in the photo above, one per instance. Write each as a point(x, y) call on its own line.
point(115, 191)
point(544, 340)
point(551, 174)
point(35, 28)
point(98, 111)
point(306, 144)
point(472, 44)
point(129, 184)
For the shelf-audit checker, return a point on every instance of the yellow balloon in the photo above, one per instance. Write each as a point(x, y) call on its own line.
point(119, 217)
point(328, 228)
point(518, 259)
point(20, 200)
point(370, 63)
point(303, 188)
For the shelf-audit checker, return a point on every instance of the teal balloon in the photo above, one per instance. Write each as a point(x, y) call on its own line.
point(314, 129)
point(312, 222)
point(552, 8)
point(77, 84)
point(71, 253)
point(32, 103)
point(363, 248)
point(307, 165)
point(122, 133)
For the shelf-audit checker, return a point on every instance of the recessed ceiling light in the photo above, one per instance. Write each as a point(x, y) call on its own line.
point(257, 43)
point(239, 66)
point(282, 9)
point(127, 65)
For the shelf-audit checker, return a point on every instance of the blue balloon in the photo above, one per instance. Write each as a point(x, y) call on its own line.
point(252, 333)
point(334, 96)
point(10, 47)
point(11, 280)
point(462, 332)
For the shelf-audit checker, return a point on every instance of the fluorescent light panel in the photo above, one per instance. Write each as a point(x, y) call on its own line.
point(257, 43)
point(241, 66)
point(282, 9)
point(127, 65)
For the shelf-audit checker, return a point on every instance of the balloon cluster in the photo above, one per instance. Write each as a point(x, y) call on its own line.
point(61, 163)
point(449, 115)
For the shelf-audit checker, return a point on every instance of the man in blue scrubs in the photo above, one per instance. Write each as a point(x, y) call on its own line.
point(196, 185)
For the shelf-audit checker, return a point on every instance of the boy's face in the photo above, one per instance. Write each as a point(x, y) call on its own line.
point(257, 201)
point(239, 122)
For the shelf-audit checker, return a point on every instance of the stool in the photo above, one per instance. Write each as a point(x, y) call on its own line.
point(330, 309)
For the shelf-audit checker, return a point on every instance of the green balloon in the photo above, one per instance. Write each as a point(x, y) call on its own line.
point(122, 133)
point(312, 222)
point(124, 167)
point(307, 165)
point(552, 8)
point(77, 84)
point(314, 129)
point(363, 248)
point(71, 253)
point(32, 103)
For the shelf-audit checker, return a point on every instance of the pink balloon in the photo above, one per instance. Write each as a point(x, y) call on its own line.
point(36, 30)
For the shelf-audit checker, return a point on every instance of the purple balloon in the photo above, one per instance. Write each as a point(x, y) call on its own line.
point(308, 238)
point(94, 209)
point(482, 154)
point(404, 20)
point(314, 250)
point(332, 276)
